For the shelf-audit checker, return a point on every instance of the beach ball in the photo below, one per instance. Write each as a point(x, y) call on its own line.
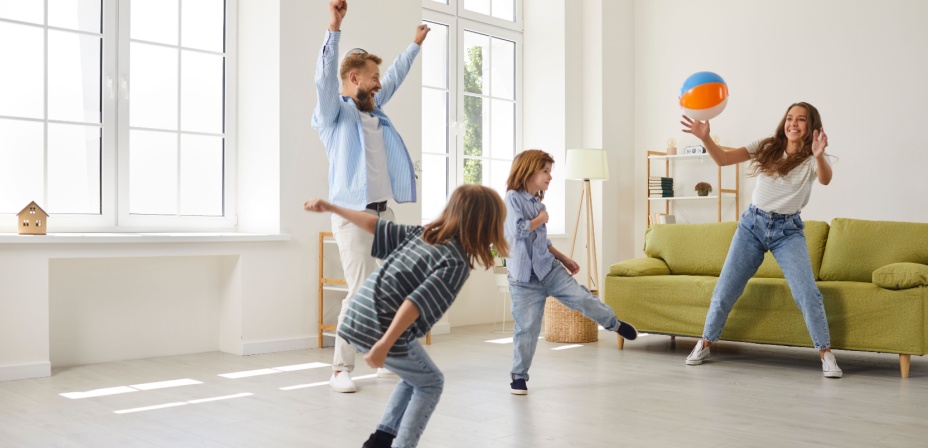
point(703, 96)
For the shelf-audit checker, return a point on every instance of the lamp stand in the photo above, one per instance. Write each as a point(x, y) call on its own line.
point(593, 274)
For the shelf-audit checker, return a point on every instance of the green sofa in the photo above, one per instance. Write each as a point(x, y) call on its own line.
point(873, 276)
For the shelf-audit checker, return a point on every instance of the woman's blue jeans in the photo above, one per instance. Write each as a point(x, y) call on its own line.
point(760, 231)
point(528, 308)
point(414, 398)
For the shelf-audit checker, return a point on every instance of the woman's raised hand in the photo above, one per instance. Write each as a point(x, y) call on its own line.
point(698, 128)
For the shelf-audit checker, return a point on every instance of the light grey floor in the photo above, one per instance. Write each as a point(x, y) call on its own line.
point(589, 396)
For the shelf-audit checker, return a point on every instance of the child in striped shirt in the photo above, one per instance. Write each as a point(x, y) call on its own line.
point(538, 270)
point(786, 164)
point(423, 270)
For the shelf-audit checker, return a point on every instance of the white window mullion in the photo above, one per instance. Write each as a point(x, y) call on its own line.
point(45, 107)
point(123, 89)
point(180, 88)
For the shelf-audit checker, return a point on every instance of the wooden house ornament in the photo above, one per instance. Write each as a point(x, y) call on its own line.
point(32, 220)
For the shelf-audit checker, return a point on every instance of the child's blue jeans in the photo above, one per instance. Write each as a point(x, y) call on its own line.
point(414, 398)
point(528, 308)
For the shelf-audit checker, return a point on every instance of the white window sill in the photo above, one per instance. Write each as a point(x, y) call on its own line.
point(110, 238)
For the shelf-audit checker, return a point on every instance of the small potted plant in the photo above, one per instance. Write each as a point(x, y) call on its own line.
point(703, 189)
point(500, 261)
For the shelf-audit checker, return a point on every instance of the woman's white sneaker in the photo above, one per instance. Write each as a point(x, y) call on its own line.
point(698, 355)
point(830, 366)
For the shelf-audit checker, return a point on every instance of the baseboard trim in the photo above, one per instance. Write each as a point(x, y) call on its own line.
point(25, 371)
point(441, 328)
point(278, 345)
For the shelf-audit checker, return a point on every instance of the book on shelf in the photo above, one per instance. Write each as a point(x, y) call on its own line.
point(661, 195)
point(660, 189)
point(660, 184)
point(653, 178)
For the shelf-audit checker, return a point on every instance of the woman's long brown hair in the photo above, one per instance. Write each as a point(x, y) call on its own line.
point(474, 215)
point(524, 166)
point(769, 158)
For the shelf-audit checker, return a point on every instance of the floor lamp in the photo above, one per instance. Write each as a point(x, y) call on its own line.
point(585, 165)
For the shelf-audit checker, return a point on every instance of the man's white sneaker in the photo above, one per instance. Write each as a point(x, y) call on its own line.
point(830, 366)
point(384, 373)
point(342, 382)
point(698, 355)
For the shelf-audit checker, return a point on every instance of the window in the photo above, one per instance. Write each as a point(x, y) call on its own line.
point(115, 116)
point(470, 97)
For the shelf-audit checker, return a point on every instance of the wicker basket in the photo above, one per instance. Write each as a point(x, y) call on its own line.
point(563, 324)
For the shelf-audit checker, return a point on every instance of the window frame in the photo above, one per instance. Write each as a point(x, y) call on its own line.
point(145, 223)
point(460, 21)
point(114, 150)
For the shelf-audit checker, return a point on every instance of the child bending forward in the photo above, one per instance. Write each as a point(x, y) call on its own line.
point(422, 272)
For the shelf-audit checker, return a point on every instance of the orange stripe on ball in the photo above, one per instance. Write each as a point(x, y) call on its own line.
point(704, 96)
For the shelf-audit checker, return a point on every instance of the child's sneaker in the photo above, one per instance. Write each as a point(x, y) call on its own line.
point(830, 366)
point(698, 355)
point(627, 331)
point(518, 387)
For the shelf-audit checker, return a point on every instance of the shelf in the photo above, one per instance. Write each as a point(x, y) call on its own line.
point(666, 162)
point(685, 198)
point(336, 288)
point(681, 156)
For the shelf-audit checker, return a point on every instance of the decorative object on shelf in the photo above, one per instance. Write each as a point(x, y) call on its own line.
point(703, 189)
point(32, 220)
point(694, 149)
point(660, 187)
point(703, 96)
point(587, 164)
point(671, 147)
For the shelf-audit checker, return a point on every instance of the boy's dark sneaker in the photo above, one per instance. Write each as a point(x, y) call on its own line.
point(518, 387)
point(627, 331)
point(379, 439)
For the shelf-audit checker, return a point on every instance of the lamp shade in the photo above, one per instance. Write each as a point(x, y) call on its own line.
point(587, 164)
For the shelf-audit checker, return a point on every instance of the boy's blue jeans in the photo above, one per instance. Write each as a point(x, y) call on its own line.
point(528, 308)
point(414, 398)
point(760, 231)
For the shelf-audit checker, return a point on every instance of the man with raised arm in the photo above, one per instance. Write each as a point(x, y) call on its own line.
point(368, 161)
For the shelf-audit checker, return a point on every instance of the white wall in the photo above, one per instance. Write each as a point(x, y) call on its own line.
point(861, 63)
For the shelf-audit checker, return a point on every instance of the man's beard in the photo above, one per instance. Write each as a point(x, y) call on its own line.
point(365, 100)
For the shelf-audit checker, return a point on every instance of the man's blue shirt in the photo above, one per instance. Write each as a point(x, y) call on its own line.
point(338, 121)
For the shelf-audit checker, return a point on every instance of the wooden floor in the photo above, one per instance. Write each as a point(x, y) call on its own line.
point(588, 396)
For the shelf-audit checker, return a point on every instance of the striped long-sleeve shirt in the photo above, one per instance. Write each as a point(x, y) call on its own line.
point(428, 276)
point(338, 121)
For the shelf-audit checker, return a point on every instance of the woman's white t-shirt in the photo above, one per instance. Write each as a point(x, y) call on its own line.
point(787, 194)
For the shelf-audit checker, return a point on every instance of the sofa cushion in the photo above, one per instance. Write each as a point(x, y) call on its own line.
point(816, 235)
point(639, 267)
point(901, 276)
point(700, 249)
point(856, 247)
point(690, 249)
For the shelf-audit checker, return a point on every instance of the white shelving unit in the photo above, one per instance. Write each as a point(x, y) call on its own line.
point(722, 193)
point(327, 284)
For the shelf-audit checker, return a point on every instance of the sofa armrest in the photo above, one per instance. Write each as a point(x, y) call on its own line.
point(901, 276)
point(638, 267)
